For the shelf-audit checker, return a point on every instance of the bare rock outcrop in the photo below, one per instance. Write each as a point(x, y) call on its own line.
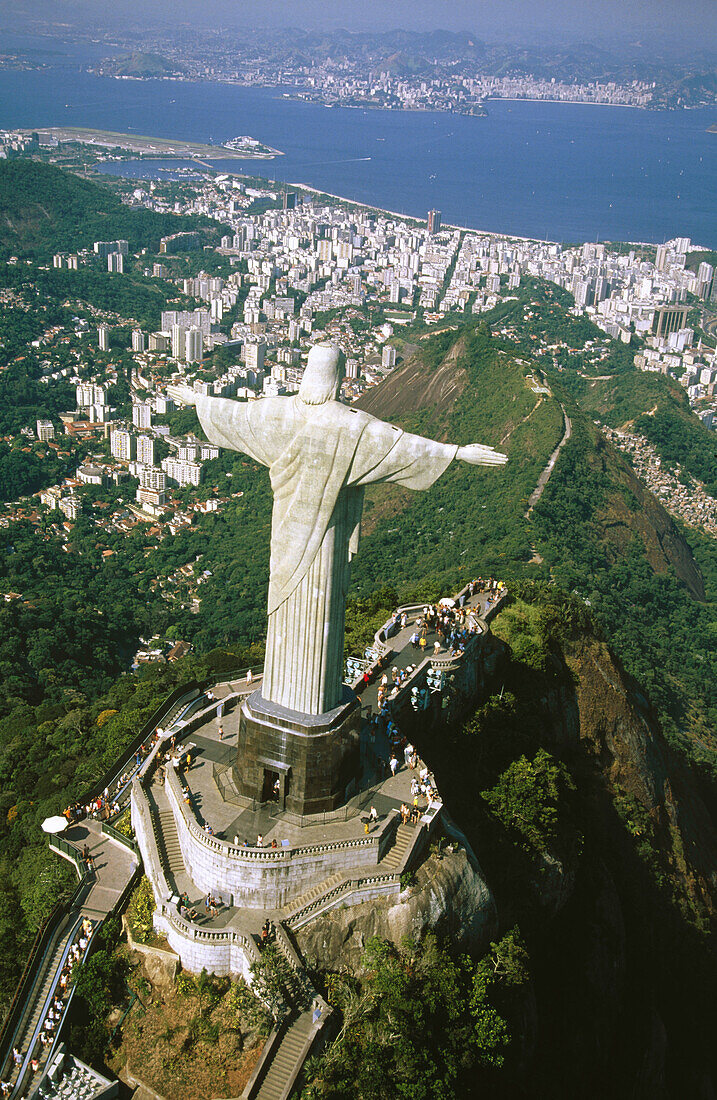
point(450, 896)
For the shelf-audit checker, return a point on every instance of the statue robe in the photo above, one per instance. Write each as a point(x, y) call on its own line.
point(320, 457)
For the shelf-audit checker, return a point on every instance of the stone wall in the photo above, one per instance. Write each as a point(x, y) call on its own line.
point(142, 824)
point(224, 952)
point(266, 878)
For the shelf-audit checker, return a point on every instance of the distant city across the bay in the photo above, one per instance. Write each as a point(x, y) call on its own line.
point(558, 171)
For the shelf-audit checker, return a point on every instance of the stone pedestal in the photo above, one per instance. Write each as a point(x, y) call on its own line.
point(305, 763)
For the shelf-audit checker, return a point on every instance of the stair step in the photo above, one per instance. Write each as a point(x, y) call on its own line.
point(314, 893)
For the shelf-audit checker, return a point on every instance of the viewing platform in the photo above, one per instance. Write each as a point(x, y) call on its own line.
point(221, 863)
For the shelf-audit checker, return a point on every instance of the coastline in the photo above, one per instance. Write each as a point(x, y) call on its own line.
point(145, 145)
point(574, 102)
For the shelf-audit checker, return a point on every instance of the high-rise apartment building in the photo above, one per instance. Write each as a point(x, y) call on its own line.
point(388, 357)
point(138, 342)
point(152, 478)
point(145, 450)
point(160, 341)
point(254, 356)
point(115, 262)
point(705, 278)
point(193, 345)
point(142, 416)
point(123, 445)
point(434, 221)
point(103, 336)
point(184, 473)
point(669, 319)
point(45, 430)
point(103, 248)
point(178, 342)
point(89, 393)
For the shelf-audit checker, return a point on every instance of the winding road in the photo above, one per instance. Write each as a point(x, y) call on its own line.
point(545, 476)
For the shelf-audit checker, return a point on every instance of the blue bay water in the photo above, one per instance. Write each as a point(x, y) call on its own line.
point(565, 172)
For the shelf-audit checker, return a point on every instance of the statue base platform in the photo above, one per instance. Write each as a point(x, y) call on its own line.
point(304, 763)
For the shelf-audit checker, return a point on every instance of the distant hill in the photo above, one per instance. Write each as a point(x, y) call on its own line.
point(142, 64)
point(44, 209)
point(401, 64)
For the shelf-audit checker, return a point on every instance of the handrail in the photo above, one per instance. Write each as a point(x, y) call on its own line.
point(27, 980)
point(68, 851)
point(348, 886)
point(47, 1055)
point(149, 726)
point(44, 933)
point(119, 838)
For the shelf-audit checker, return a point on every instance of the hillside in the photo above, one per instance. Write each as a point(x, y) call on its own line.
point(43, 210)
point(141, 65)
point(597, 530)
point(652, 404)
point(600, 849)
point(615, 895)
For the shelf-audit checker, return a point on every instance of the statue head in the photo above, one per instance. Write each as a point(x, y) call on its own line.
point(323, 375)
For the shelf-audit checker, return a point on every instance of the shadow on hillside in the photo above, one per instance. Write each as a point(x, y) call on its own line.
point(623, 978)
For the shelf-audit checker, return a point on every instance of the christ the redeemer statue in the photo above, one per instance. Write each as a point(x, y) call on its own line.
point(321, 455)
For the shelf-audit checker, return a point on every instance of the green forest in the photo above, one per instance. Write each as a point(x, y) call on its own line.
point(596, 566)
point(45, 210)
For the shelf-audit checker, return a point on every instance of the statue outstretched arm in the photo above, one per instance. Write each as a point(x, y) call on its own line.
point(478, 455)
point(236, 425)
point(182, 393)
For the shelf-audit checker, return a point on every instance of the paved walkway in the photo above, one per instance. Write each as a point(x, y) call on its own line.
point(405, 655)
point(114, 866)
point(228, 819)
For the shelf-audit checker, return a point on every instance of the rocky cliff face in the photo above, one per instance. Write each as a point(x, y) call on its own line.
point(450, 896)
point(417, 384)
point(618, 730)
point(620, 942)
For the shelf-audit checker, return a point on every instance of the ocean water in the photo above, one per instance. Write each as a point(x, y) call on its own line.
point(567, 172)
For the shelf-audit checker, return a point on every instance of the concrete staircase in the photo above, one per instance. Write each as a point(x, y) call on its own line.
point(397, 852)
point(315, 894)
point(165, 835)
point(287, 1060)
point(172, 850)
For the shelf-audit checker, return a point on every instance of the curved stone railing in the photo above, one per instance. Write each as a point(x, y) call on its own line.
point(223, 950)
point(267, 878)
point(219, 846)
point(369, 884)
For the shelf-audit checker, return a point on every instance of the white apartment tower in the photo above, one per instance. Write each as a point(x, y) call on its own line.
point(122, 445)
point(145, 450)
point(193, 345)
point(177, 342)
point(45, 430)
point(142, 416)
point(254, 356)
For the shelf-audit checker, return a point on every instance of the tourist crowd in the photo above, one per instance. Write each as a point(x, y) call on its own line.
point(50, 1024)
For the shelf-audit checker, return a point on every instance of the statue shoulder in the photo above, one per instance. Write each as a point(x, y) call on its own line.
point(356, 420)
